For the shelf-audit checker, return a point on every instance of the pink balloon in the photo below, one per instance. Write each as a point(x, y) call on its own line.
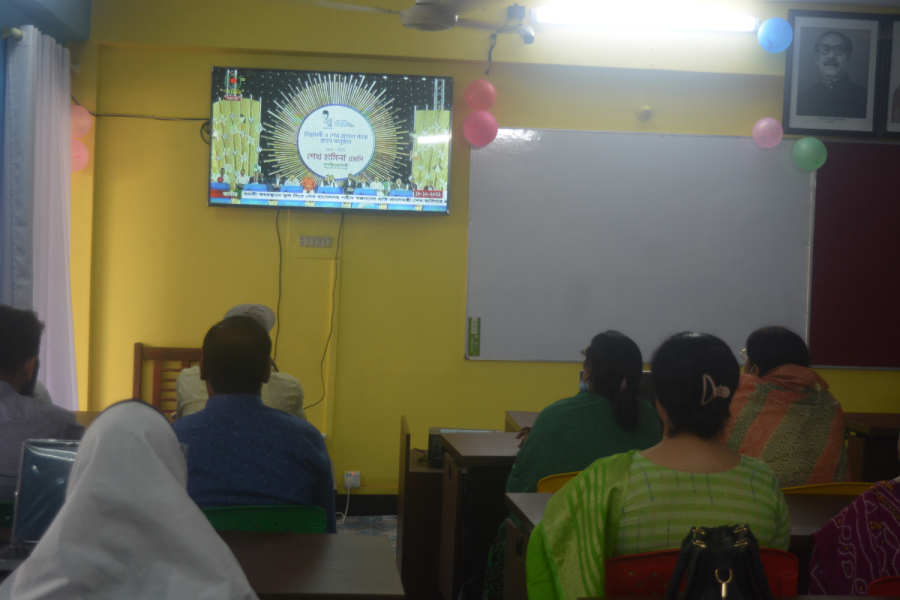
point(81, 121)
point(79, 155)
point(767, 132)
point(480, 94)
point(480, 128)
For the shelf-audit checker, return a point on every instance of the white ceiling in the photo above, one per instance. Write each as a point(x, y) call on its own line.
point(853, 2)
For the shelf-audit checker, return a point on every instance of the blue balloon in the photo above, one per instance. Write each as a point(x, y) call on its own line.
point(775, 35)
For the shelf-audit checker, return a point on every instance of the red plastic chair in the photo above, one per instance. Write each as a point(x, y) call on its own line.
point(648, 574)
point(886, 586)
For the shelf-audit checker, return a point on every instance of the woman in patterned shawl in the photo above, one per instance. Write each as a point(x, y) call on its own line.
point(783, 414)
point(859, 545)
point(645, 501)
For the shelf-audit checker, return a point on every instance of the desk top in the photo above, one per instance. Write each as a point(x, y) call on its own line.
point(809, 512)
point(517, 419)
point(873, 423)
point(528, 508)
point(481, 449)
point(315, 565)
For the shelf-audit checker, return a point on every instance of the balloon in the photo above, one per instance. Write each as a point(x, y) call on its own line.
point(480, 128)
point(480, 94)
point(80, 121)
point(775, 35)
point(767, 132)
point(79, 155)
point(809, 153)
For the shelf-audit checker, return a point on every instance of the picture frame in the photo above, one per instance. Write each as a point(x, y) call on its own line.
point(890, 109)
point(838, 92)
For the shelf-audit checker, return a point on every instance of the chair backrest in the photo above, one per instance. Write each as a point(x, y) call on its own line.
point(292, 518)
point(844, 488)
point(648, 574)
point(166, 364)
point(401, 487)
point(6, 514)
point(886, 586)
point(552, 483)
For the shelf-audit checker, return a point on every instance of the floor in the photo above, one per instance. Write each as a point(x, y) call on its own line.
point(383, 525)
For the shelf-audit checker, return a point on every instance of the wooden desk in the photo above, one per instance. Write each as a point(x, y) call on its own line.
point(476, 466)
point(527, 508)
point(419, 528)
point(872, 445)
point(284, 566)
point(810, 513)
point(517, 419)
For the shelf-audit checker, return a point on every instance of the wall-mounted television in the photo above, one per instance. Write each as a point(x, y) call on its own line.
point(330, 141)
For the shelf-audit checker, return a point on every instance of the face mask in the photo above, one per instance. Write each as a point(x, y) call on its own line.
point(583, 386)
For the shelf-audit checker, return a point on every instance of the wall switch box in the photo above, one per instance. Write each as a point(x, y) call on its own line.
point(315, 241)
point(351, 479)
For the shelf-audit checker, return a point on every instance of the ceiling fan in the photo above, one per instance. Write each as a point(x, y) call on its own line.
point(424, 15)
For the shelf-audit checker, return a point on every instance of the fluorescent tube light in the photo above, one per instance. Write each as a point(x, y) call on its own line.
point(629, 15)
point(434, 139)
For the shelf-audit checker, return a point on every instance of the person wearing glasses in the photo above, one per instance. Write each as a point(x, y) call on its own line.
point(783, 413)
point(605, 417)
point(834, 95)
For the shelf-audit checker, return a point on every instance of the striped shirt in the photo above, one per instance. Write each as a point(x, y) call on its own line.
point(23, 418)
point(662, 505)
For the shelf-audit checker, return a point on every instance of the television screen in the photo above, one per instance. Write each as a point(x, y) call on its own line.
point(320, 140)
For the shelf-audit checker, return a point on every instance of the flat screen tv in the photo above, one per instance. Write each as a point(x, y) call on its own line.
point(329, 141)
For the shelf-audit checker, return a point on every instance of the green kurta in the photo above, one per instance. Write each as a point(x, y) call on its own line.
point(571, 434)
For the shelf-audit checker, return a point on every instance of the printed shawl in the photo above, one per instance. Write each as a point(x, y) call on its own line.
point(789, 420)
point(859, 545)
point(568, 548)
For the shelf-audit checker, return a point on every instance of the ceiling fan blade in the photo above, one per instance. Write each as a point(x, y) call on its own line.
point(338, 6)
point(473, 24)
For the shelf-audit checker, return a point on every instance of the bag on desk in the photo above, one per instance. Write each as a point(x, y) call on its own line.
point(719, 562)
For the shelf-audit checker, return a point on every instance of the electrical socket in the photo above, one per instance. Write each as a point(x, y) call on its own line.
point(351, 479)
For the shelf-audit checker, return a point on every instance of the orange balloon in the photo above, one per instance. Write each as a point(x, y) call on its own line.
point(480, 94)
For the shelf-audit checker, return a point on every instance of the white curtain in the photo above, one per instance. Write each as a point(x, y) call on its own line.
point(35, 202)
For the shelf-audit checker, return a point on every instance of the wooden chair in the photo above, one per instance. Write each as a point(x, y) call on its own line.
point(551, 483)
point(166, 364)
point(841, 488)
point(648, 574)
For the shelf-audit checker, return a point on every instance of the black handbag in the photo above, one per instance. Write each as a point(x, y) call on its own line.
point(719, 562)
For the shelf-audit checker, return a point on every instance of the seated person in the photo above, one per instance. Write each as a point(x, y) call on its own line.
point(128, 529)
point(650, 500)
point(240, 451)
point(783, 413)
point(606, 417)
point(309, 184)
point(22, 417)
point(282, 391)
point(859, 545)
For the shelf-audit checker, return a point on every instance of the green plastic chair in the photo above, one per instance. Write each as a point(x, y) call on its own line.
point(6, 514)
point(292, 518)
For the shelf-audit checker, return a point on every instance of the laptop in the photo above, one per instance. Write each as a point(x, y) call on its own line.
point(43, 478)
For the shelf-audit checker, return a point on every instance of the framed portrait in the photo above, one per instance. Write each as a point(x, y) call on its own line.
point(891, 107)
point(832, 80)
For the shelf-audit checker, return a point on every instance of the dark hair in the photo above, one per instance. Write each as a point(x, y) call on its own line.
point(613, 356)
point(678, 368)
point(20, 338)
point(771, 347)
point(236, 355)
point(847, 41)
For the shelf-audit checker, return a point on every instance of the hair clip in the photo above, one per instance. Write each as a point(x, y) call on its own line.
point(624, 385)
point(719, 391)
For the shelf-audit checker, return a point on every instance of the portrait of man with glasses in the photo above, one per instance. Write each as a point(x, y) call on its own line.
point(834, 94)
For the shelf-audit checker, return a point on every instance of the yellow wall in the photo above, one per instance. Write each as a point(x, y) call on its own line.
point(164, 266)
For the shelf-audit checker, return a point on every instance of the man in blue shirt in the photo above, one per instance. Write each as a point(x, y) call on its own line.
point(240, 451)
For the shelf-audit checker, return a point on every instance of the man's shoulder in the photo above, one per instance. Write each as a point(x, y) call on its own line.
point(22, 407)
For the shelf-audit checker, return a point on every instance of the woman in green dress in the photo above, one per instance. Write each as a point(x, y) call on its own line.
point(606, 417)
point(645, 501)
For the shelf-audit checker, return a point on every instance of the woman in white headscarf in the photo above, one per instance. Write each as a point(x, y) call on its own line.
point(128, 529)
point(282, 391)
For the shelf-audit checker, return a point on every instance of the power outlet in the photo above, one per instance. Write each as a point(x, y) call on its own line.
point(351, 479)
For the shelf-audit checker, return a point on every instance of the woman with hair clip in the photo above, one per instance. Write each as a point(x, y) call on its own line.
point(605, 417)
point(645, 501)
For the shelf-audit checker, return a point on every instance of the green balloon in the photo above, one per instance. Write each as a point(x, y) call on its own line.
point(809, 153)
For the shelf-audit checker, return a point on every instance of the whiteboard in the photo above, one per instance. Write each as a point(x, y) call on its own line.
point(575, 232)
